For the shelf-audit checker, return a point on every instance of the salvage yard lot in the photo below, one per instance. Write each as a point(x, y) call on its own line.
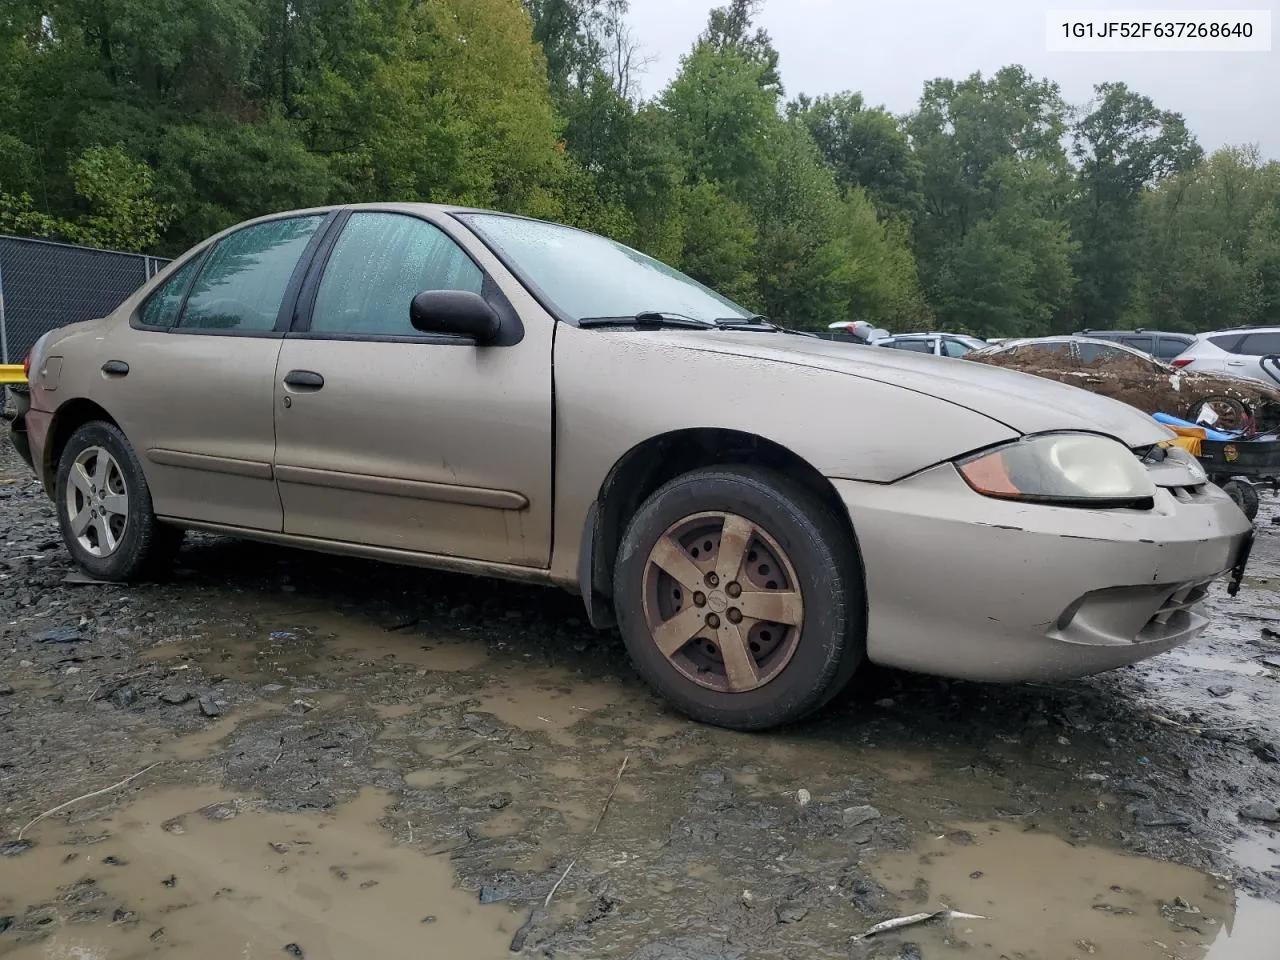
point(344, 759)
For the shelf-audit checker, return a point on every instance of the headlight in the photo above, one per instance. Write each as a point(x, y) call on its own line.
point(1069, 469)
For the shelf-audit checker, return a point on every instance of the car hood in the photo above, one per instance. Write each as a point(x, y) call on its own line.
point(1020, 401)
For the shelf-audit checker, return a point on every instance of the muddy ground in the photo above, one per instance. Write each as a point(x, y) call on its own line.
point(346, 760)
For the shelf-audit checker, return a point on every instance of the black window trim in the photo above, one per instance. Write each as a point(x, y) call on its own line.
point(198, 257)
point(290, 290)
point(299, 328)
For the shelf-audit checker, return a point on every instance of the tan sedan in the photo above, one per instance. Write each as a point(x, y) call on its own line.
point(759, 510)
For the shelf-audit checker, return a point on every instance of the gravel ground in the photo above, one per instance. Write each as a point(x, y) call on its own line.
point(434, 763)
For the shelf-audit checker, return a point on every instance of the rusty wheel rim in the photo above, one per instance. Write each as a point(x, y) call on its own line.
point(722, 602)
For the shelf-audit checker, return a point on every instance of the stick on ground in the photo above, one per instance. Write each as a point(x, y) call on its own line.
point(87, 796)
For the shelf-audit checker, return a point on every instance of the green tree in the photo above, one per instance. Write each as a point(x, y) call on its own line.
point(1124, 146)
point(866, 147)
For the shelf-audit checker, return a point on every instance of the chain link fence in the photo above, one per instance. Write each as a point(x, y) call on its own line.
point(44, 285)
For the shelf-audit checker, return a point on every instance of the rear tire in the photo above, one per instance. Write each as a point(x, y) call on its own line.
point(765, 645)
point(1245, 495)
point(104, 508)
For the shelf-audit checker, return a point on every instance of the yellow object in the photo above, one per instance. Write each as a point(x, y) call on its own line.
point(12, 373)
point(1189, 439)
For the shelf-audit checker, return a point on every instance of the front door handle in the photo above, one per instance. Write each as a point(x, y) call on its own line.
point(303, 380)
point(115, 368)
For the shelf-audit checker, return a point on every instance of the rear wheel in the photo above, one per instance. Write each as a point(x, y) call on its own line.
point(104, 507)
point(739, 596)
point(1245, 495)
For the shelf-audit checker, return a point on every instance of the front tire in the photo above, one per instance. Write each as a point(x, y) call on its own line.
point(1245, 495)
point(104, 507)
point(740, 598)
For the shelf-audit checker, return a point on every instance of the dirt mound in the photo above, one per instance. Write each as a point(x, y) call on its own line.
point(1152, 388)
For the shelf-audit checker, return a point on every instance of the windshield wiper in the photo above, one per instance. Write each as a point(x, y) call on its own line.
point(758, 323)
point(648, 320)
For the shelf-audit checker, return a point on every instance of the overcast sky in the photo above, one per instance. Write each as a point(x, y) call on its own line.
point(888, 49)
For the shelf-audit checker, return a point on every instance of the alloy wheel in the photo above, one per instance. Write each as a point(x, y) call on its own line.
point(97, 502)
point(722, 602)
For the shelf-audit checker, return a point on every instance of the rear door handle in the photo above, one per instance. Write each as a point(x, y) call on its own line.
point(115, 368)
point(303, 380)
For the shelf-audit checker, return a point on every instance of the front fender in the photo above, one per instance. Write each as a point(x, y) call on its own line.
point(615, 390)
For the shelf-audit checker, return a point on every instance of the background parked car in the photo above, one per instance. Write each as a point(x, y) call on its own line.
point(1239, 352)
point(1157, 343)
point(938, 344)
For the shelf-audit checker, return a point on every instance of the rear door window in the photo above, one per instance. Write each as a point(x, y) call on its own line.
point(1260, 345)
point(1169, 347)
point(914, 346)
point(1145, 344)
point(1092, 352)
point(243, 282)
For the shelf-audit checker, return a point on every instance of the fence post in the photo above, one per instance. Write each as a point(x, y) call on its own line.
point(4, 327)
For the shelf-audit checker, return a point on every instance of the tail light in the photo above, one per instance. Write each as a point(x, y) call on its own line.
point(1182, 362)
point(26, 366)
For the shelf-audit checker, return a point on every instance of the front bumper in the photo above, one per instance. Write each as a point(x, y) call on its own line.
point(966, 586)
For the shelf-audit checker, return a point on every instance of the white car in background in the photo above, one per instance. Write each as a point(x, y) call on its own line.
point(938, 344)
point(1252, 352)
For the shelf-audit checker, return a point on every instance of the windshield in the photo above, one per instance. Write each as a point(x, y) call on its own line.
point(587, 276)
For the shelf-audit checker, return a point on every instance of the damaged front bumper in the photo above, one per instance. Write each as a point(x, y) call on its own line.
point(967, 586)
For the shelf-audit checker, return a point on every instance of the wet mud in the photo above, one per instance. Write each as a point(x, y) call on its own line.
point(343, 759)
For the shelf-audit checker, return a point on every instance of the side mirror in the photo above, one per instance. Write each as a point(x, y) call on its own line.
point(455, 311)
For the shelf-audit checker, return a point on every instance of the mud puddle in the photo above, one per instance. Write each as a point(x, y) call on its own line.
point(199, 873)
point(1042, 898)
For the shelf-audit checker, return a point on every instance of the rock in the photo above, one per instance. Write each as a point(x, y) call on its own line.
point(293, 950)
point(218, 811)
point(803, 797)
point(209, 707)
point(1150, 815)
point(175, 697)
point(170, 881)
point(125, 696)
point(492, 894)
point(124, 916)
point(856, 816)
point(59, 635)
point(6, 923)
point(1266, 752)
point(864, 833)
point(15, 848)
point(961, 838)
point(1262, 810)
point(886, 703)
point(6, 690)
point(114, 861)
point(429, 918)
point(1220, 689)
point(791, 913)
point(499, 800)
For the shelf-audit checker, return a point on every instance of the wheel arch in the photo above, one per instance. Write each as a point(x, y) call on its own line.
point(68, 418)
point(661, 458)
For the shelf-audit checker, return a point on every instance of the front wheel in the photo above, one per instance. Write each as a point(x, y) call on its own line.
point(104, 507)
point(1245, 495)
point(740, 597)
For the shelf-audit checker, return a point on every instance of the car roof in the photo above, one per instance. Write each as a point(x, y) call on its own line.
point(1257, 328)
point(1072, 338)
point(1141, 332)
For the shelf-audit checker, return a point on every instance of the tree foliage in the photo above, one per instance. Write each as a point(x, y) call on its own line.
point(992, 207)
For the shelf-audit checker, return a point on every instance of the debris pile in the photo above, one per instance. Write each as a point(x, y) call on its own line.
point(1151, 386)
